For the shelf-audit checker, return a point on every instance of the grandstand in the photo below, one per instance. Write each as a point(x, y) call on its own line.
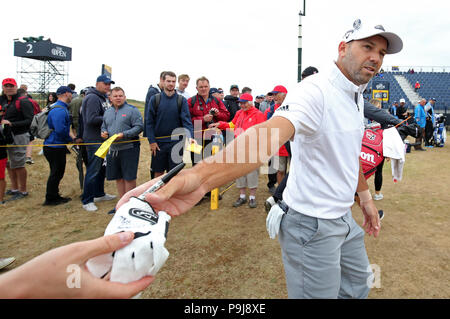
point(433, 85)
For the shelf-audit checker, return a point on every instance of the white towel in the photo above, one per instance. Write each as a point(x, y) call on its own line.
point(394, 148)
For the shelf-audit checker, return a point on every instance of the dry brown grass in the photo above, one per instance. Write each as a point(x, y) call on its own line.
point(228, 254)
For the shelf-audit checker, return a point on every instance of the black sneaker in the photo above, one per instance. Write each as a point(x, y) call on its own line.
point(239, 202)
point(58, 201)
point(18, 195)
point(11, 192)
point(381, 214)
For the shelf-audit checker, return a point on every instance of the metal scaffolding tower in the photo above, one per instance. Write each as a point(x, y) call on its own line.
point(42, 65)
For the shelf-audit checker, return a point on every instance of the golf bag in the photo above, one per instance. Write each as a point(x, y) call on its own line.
point(372, 146)
point(439, 133)
point(371, 151)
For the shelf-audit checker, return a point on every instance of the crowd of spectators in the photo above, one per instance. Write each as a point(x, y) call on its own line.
point(172, 119)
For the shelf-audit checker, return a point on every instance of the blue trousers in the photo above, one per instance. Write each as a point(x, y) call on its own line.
point(94, 180)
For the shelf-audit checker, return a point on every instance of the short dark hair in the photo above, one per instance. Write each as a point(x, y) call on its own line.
point(246, 90)
point(21, 92)
point(169, 73)
point(203, 78)
point(161, 76)
point(118, 88)
point(71, 86)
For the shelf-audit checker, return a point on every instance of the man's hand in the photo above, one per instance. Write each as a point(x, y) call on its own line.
point(119, 136)
point(208, 118)
point(214, 125)
point(6, 122)
point(371, 218)
point(215, 111)
point(104, 135)
point(153, 148)
point(61, 273)
point(176, 197)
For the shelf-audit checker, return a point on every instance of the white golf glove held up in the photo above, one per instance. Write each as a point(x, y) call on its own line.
point(273, 220)
point(145, 255)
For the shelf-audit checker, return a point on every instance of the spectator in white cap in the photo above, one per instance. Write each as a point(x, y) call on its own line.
point(322, 246)
point(402, 111)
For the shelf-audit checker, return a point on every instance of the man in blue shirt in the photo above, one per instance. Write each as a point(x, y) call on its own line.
point(421, 117)
point(54, 151)
point(161, 126)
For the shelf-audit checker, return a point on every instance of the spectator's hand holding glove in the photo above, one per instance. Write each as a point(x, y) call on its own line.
point(145, 255)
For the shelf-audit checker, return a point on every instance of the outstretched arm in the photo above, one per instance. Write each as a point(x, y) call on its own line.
point(242, 156)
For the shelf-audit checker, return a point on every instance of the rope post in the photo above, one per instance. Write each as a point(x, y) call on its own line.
point(215, 192)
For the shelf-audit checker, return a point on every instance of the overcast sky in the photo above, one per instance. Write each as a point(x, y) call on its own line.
point(249, 43)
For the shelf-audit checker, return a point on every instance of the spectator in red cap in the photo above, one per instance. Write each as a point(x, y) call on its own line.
point(245, 118)
point(19, 116)
point(280, 160)
point(5, 139)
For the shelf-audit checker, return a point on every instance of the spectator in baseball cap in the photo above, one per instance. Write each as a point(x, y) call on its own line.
point(9, 81)
point(258, 100)
point(64, 89)
point(245, 118)
point(279, 89)
point(105, 79)
point(216, 93)
point(231, 100)
point(19, 118)
point(310, 70)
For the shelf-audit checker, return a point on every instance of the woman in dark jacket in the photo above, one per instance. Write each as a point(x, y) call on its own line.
point(52, 98)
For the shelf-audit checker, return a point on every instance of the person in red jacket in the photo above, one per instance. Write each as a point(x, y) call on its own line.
point(205, 109)
point(245, 118)
point(280, 160)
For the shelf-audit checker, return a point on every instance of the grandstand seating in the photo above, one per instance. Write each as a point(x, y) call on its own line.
point(433, 85)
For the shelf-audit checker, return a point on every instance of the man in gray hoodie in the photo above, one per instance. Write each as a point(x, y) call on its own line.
point(92, 110)
point(123, 158)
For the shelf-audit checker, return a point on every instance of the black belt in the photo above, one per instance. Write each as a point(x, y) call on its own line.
point(283, 206)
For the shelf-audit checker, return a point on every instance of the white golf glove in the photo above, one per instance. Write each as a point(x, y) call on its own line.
point(273, 220)
point(145, 255)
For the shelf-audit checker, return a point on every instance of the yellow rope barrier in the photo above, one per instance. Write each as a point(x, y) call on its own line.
point(97, 143)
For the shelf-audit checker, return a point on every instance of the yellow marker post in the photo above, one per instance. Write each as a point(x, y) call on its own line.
point(215, 191)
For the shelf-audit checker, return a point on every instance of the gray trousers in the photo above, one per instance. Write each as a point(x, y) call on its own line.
point(324, 258)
